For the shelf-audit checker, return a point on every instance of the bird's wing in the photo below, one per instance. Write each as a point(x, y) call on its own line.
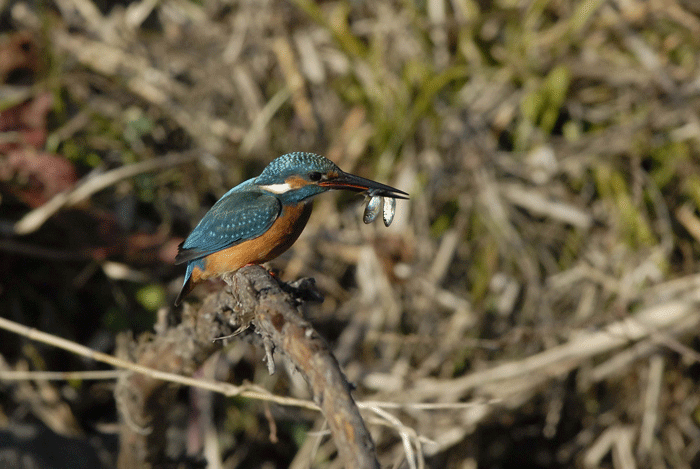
point(236, 217)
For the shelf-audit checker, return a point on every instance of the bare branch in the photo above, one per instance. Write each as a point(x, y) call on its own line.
point(277, 320)
point(255, 296)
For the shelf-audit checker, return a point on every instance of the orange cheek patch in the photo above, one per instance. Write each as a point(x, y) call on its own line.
point(296, 182)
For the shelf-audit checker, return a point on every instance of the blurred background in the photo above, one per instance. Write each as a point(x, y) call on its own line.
point(534, 303)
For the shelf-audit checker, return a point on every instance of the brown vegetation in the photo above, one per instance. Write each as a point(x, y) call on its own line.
point(534, 303)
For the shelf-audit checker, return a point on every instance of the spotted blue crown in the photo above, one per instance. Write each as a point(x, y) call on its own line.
point(296, 163)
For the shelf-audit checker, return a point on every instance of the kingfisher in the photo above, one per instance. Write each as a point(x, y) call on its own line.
point(261, 218)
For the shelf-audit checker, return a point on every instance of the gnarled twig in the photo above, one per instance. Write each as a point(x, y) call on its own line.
point(277, 320)
point(254, 297)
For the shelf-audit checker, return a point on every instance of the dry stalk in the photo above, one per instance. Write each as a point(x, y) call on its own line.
point(276, 319)
point(255, 296)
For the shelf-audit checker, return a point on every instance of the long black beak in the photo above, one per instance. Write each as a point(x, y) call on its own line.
point(354, 183)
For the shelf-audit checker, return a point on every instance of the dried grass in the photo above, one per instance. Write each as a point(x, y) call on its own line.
point(540, 283)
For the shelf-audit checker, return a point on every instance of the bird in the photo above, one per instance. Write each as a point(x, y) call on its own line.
point(261, 218)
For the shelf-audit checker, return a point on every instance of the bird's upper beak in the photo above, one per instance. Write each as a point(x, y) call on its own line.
point(358, 184)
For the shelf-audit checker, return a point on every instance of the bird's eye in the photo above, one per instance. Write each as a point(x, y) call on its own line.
point(315, 176)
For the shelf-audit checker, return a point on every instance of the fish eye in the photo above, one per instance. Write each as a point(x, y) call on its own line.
point(315, 176)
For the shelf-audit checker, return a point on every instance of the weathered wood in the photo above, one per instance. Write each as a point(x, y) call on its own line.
point(277, 320)
point(254, 297)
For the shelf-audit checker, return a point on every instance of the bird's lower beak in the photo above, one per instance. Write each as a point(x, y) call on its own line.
point(358, 184)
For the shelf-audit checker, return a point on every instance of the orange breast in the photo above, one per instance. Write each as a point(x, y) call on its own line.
point(281, 235)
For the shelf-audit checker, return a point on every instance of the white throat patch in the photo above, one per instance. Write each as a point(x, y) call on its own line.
point(277, 188)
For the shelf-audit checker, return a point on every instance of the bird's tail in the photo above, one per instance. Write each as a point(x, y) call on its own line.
point(188, 285)
point(186, 288)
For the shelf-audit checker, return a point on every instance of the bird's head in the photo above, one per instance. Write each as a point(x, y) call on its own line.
point(299, 176)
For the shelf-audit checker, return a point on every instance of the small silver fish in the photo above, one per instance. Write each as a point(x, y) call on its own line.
point(389, 210)
point(372, 210)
